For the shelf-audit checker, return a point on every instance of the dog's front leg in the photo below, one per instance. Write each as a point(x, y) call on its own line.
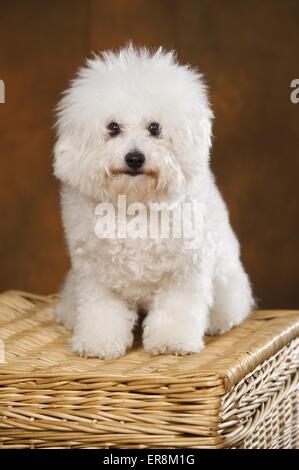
point(104, 323)
point(177, 320)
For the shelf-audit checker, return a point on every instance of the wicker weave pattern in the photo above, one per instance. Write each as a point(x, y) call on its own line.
point(279, 429)
point(241, 391)
point(261, 411)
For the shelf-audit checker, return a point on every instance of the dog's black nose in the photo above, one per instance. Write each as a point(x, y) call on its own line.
point(135, 160)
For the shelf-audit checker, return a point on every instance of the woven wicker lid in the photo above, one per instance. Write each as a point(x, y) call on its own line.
point(37, 348)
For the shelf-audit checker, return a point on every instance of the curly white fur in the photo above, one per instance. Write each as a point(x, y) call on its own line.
point(186, 292)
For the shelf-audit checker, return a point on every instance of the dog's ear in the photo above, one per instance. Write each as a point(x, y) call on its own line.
point(194, 135)
point(201, 117)
point(77, 164)
point(66, 160)
point(201, 129)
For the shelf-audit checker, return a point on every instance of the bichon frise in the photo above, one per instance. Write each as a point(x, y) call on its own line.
point(138, 124)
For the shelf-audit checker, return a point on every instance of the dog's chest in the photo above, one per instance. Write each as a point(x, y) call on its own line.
point(136, 267)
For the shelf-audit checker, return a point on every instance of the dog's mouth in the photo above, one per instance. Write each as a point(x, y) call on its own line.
point(133, 173)
point(128, 172)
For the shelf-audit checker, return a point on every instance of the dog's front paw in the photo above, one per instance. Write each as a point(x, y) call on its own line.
point(103, 346)
point(219, 323)
point(65, 314)
point(165, 336)
point(107, 338)
point(108, 347)
point(219, 327)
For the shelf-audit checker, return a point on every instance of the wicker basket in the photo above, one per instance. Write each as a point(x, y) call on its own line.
point(241, 391)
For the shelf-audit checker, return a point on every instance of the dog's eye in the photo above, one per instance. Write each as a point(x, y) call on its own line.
point(154, 129)
point(114, 129)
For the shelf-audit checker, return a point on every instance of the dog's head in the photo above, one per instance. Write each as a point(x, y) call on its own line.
point(133, 123)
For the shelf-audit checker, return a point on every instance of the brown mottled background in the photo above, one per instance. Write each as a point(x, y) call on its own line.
point(248, 51)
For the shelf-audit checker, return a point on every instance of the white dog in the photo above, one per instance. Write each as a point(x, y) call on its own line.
point(138, 124)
